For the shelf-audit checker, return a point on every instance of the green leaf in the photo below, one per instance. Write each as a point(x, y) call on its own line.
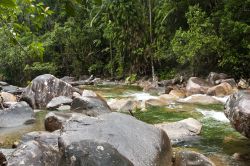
point(8, 3)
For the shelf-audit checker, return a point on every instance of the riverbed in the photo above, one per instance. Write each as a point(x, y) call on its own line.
point(218, 140)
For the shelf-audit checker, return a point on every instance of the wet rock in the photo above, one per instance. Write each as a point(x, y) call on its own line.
point(181, 131)
point(58, 101)
point(191, 158)
point(127, 140)
point(55, 120)
point(237, 110)
point(16, 115)
point(124, 105)
point(44, 88)
point(37, 148)
point(222, 89)
point(213, 77)
point(243, 84)
point(157, 102)
point(90, 105)
point(197, 86)
point(200, 99)
point(8, 97)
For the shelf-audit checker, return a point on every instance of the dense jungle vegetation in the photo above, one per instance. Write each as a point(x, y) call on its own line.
point(118, 38)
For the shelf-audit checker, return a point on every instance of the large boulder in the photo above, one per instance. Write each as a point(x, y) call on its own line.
point(237, 110)
point(90, 105)
point(44, 88)
point(191, 158)
point(59, 101)
point(181, 131)
point(17, 114)
point(114, 139)
point(222, 89)
point(213, 77)
point(197, 86)
point(38, 149)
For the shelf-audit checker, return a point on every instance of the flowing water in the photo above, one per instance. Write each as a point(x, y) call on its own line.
point(218, 140)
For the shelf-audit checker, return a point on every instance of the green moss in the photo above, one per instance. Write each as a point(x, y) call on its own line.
point(216, 107)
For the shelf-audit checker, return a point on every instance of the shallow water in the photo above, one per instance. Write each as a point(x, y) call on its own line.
point(10, 135)
point(219, 140)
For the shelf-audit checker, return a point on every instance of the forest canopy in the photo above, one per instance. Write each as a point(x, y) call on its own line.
point(119, 38)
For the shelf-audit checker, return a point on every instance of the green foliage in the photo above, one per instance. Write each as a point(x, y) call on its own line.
point(131, 79)
point(117, 38)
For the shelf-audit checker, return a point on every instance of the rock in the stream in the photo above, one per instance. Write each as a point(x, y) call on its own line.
point(8, 97)
point(237, 110)
point(2, 83)
point(181, 131)
point(44, 88)
point(16, 115)
point(213, 77)
point(90, 105)
point(191, 158)
point(231, 81)
point(55, 120)
point(197, 86)
point(222, 89)
point(200, 99)
point(243, 84)
point(3, 159)
point(114, 139)
point(179, 93)
point(124, 105)
point(38, 149)
point(58, 101)
point(12, 89)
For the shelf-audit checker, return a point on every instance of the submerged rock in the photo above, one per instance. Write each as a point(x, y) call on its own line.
point(191, 158)
point(44, 88)
point(237, 110)
point(17, 114)
point(114, 139)
point(181, 131)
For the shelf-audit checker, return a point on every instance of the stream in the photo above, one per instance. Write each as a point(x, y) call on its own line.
point(218, 140)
